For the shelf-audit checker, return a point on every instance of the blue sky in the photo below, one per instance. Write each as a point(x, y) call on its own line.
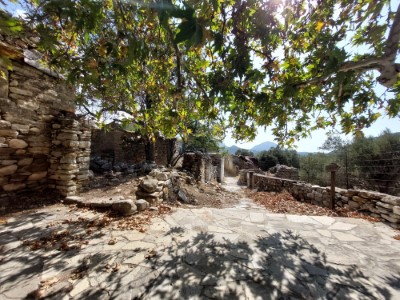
point(317, 138)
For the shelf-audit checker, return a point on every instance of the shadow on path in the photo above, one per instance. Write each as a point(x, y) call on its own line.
point(275, 266)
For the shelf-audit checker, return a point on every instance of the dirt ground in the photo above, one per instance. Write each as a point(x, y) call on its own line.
point(210, 194)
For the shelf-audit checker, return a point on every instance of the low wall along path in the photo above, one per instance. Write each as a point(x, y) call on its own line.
point(382, 206)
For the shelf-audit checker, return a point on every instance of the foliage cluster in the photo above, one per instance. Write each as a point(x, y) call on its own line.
point(201, 139)
point(244, 152)
point(275, 155)
point(368, 162)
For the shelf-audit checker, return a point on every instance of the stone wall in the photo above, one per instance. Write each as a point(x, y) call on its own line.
point(38, 130)
point(230, 167)
point(217, 161)
point(382, 206)
point(195, 164)
point(120, 146)
point(244, 175)
point(286, 172)
point(204, 167)
point(233, 164)
point(70, 155)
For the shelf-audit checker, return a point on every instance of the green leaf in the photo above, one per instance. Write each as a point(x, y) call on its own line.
point(186, 30)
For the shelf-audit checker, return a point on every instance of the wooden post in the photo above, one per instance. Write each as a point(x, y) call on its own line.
point(251, 180)
point(333, 183)
point(332, 168)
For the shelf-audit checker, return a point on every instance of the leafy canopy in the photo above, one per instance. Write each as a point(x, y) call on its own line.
point(295, 65)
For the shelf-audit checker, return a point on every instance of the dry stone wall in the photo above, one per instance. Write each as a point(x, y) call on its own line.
point(42, 143)
point(111, 145)
point(70, 155)
point(382, 206)
point(244, 175)
point(204, 167)
point(286, 172)
point(195, 164)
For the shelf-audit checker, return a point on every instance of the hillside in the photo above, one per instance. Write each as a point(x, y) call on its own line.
point(232, 149)
point(256, 149)
point(263, 147)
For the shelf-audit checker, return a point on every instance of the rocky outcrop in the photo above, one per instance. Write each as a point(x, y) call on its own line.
point(118, 204)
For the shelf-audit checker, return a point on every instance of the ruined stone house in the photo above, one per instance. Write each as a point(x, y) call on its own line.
point(43, 144)
point(120, 146)
point(204, 167)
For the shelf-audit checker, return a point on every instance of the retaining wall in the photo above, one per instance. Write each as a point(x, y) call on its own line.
point(382, 206)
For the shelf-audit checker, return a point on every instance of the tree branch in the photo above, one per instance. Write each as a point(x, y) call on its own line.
point(385, 65)
point(367, 64)
point(392, 42)
point(178, 62)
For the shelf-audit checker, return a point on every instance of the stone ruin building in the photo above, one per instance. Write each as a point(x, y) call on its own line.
point(43, 144)
point(204, 167)
point(116, 149)
point(46, 146)
point(235, 163)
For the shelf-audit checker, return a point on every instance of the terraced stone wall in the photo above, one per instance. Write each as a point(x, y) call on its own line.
point(382, 206)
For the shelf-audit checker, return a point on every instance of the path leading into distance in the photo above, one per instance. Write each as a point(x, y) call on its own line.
point(241, 252)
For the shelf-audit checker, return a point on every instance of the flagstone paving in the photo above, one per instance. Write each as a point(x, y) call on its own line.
point(241, 252)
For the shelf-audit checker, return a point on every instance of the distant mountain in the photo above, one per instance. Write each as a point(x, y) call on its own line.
point(263, 147)
point(258, 148)
point(232, 149)
point(303, 153)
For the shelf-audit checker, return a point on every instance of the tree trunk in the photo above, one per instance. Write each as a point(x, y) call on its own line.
point(170, 150)
point(149, 148)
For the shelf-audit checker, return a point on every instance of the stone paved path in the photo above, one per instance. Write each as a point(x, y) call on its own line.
point(241, 252)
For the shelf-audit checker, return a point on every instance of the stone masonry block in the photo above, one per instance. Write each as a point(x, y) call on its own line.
point(396, 210)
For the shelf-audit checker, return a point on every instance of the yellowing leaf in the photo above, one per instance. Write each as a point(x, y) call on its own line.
point(319, 26)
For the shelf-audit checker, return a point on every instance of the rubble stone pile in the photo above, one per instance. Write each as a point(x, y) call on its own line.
point(104, 164)
point(159, 185)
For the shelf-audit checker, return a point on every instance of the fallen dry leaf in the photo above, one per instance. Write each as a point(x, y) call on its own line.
point(48, 282)
point(113, 241)
point(287, 204)
point(151, 254)
point(116, 267)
